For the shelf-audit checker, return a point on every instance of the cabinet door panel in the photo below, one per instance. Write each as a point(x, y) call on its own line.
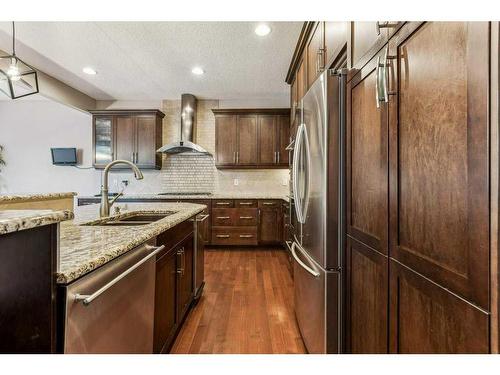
point(247, 140)
point(185, 277)
point(315, 54)
point(225, 139)
point(439, 179)
point(125, 138)
point(284, 139)
point(367, 162)
point(103, 140)
point(270, 225)
point(426, 318)
point(165, 300)
point(367, 298)
point(267, 139)
point(146, 141)
point(301, 78)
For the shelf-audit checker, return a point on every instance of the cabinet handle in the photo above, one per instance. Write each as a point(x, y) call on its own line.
point(246, 235)
point(246, 217)
point(268, 204)
point(222, 203)
point(222, 235)
point(234, 157)
point(245, 203)
point(237, 157)
point(278, 153)
point(180, 252)
point(223, 217)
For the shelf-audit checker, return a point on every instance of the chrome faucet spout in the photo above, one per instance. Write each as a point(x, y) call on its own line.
point(105, 202)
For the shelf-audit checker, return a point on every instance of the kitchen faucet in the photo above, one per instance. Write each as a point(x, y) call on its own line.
point(105, 203)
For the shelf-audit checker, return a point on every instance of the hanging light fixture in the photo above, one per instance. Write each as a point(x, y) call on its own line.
point(17, 79)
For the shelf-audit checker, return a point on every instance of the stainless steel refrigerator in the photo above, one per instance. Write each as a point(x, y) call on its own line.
point(318, 178)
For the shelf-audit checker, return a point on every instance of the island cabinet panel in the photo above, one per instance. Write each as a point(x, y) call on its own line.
point(174, 283)
point(165, 300)
point(367, 161)
point(426, 318)
point(132, 135)
point(252, 138)
point(439, 199)
point(366, 299)
point(28, 291)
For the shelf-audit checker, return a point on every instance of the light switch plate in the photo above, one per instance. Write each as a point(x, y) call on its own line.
point(284, 182)
point(236, 182)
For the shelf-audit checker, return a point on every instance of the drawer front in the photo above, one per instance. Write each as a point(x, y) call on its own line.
point(234, 236)
point(246, 216)
point(223, 216)
point(269, 203)
point(222, 203)
point(246, 203)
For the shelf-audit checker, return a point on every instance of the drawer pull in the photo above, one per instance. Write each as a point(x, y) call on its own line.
point(246, 217)
point(246, 203)
point(246, 235)
point(223, 217)
point(222, 236)
point(222, 203)
point(269, 203)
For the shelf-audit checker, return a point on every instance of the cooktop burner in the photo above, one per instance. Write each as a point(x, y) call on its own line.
point(186, 193)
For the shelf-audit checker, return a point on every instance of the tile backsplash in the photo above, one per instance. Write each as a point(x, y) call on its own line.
point(197, 173)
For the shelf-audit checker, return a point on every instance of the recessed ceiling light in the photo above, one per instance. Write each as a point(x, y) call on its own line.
point(90, 71)
point(198, 71)
point(262, 30)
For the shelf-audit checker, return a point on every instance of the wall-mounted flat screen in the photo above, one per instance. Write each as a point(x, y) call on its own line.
point(63, 156)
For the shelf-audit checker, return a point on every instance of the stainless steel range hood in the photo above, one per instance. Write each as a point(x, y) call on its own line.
point(186, 144)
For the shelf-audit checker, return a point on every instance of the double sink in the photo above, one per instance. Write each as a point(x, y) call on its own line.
point(132, 218)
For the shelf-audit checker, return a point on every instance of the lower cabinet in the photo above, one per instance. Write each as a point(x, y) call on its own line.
point(426, 318)
point(270, 223)
point(366, 300)
point(174, 284)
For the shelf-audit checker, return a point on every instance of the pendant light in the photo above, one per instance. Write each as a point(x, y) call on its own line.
point(17, 79)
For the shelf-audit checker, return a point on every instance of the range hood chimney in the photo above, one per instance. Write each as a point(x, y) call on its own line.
point(186, 144)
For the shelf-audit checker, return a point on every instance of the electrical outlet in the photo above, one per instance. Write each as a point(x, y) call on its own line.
point(236, 182)
point(284, 182)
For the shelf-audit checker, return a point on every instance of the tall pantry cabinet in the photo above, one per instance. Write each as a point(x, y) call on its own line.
point(418, 193)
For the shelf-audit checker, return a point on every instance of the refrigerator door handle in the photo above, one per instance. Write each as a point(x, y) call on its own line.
point(295, 165)
point(302, 264)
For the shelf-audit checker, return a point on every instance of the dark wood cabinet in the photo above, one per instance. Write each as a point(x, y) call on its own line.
point(315, 54)
point(366, 299)
point(427, 318)
point(439, 207)
point(270, 222)
point(128, 135)
point(335, 39)
point(28, 308)
point(165, 300)
point(174, 283)
point(252, 138)
point(185, 253)
point(225, 139)
point(367, 161)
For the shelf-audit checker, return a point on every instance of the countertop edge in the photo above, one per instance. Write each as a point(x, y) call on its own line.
point(38, 219)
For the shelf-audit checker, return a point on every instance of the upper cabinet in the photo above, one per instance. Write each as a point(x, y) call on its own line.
point(315, 54)
point(127, 135)
point(252, 138)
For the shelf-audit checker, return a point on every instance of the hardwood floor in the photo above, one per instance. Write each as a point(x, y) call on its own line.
point(246, 307)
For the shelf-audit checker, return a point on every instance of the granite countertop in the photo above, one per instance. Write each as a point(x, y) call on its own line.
point(17, 220)
point(24, 197)
point(84, 248)
point(218, 195)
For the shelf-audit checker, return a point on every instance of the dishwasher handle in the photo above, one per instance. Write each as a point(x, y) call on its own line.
point(88, 298)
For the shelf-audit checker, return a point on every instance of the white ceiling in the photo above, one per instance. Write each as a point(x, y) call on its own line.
point(153, 60)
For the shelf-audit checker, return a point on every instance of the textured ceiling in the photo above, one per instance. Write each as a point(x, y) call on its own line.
point(153, 60)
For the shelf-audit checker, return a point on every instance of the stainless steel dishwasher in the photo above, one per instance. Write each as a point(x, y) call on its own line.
point(111, 310)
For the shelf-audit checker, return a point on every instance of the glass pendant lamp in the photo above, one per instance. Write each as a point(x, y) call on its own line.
point(17, 79)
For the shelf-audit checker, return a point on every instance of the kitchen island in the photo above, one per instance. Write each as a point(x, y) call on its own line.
point(121, 284)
